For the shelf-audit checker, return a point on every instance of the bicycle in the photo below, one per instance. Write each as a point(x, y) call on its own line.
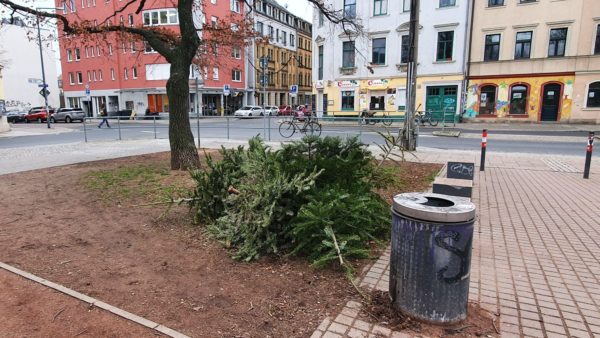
point(367, 118)
point(425, 116)
point(288, 128)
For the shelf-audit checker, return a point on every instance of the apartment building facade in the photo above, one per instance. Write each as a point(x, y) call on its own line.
point(348, 80)
point(128, 74)
point(282, 39)
point(535, 60)
point(22, 73)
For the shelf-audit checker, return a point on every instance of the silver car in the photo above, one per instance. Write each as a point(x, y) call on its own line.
point(67, 115)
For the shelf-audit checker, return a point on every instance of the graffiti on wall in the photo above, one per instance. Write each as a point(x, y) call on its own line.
point(16, 104)
point(502, 100)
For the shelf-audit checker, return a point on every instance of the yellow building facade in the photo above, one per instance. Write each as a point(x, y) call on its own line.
point(536, 64)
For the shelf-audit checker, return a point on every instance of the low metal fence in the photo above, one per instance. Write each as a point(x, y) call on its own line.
point(238, 128)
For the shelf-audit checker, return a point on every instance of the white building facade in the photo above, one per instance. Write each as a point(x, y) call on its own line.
point(354, 71)
point(22, 72)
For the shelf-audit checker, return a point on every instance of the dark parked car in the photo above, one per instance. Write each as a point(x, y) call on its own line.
point(15, 116)
point(67, 115)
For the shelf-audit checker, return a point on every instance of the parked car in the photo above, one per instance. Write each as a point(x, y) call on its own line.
point(16, 116)
point(249, 111)
point(67, 115)
point(285, 110)
point(272, 110)
point(37, 114)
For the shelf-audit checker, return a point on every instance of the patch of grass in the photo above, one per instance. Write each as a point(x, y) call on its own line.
point(152, 183)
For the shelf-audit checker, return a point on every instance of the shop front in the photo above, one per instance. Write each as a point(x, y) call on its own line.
point(526, 98)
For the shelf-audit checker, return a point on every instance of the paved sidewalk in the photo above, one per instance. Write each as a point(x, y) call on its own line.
point(536, 250)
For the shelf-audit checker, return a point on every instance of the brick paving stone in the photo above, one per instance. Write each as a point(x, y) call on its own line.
point(343, 319)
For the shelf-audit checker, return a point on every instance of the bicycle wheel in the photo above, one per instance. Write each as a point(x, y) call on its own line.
point(433, 122)
point(316, 128)
point(287, 129)
point(386, 120)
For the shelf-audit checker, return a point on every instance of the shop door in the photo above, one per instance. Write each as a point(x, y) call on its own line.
point(441, 101)
point(551, 102)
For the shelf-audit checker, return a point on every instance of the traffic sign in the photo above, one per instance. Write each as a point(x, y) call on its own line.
point(226, 90)
point(42, 85)
point(293, 90)
point(42, 92)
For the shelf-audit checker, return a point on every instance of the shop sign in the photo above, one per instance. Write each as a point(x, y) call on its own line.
point(319, 84)
point(347, 84)
point(378, 83)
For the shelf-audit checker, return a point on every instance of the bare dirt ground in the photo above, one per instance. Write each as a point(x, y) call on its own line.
point(56, 223)
point(28, 309)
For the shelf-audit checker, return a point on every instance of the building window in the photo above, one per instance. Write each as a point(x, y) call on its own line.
point(523, 45)
point(72, 4)
point(378, 57)
point(236, 53)
point(558, 42)
point(348, 54)
point(79, 77)
point(236, 75)
point(213, 22)
point(133, 47)
point(259, 28)
point(406, 7)
point(597, 45)
point(379, 7)
point(348, 100)
point(321, 18)
point(147, 48)
point(71, 79)
point(447, 3)
point(349, 9)
point(130, 20)
point(89, 76)
point(445, 46)
point(593, 95)
point(494, 3)
point(100, 76)
point(110, 49)
point(95, 75)
point(126, 73)
point(235, 6)
point(487, 100)
point(320, 68)
point(215, 73)
point(161, 17)
point(526, 1)
point(134, 73)
point(271, 32)
point(112, 74)
point(404, 49)
point(69, 55)
point(492, 47)
point(292, 40)
point(77, 54)
point(518, 99)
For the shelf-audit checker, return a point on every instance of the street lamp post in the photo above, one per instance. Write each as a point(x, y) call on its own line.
point(44, 84)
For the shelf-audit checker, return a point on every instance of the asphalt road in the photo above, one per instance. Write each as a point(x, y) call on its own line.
point(247, 128)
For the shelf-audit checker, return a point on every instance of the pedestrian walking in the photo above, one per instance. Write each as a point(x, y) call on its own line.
point(104, 117)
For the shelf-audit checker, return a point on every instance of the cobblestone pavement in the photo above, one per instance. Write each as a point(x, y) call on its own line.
point(536, 251)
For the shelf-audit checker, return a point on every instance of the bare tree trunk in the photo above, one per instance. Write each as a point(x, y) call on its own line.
point(184, 154)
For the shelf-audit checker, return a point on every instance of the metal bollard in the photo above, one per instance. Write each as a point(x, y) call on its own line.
point(269, 127)
point(483, 149)
point(119, 125)
point(588, 155)
point(228, 127)
point(154, 120)
point(85, 129)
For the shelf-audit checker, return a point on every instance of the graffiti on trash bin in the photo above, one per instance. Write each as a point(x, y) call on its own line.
point(463, 255)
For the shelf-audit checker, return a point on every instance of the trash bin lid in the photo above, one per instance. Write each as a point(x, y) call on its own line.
point(434, 207)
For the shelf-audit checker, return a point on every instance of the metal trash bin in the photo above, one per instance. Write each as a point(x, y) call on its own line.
point(430, 261)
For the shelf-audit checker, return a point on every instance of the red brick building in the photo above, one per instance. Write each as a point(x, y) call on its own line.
point(128, 74)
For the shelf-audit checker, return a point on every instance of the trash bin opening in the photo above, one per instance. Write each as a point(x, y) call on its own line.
point(438, 202)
